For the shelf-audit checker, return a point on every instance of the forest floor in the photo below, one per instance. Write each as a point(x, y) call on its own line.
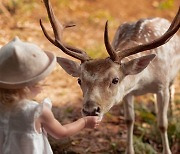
point(90, 17)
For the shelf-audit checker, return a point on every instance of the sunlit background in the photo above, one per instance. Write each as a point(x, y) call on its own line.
point(21, 18)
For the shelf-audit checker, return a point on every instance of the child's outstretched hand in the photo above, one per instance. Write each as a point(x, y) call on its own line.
point(91, 121)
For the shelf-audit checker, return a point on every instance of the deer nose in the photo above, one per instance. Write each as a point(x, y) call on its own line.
point(91, 109)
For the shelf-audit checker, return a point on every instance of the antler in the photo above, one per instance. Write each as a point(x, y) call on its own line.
point(175, 25)
point(112, 53)
point(58, 31)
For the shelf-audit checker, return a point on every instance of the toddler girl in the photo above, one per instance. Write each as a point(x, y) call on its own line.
point(23, 122)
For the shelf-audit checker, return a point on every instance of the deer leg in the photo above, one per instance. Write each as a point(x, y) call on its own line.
point(129, 118)
point(171, 98)
point(162, 104)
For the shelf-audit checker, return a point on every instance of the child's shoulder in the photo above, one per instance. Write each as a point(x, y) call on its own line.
point(34, 107)
point(27, 107)
point(45, 102)
point(27, 103)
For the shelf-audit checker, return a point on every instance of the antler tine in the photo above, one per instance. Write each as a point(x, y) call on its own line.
point(58, 30)
point(175, 20)
point(46, 34)
point(108, 46)
point(56, 44)
point(175, 25)
point(56, 25)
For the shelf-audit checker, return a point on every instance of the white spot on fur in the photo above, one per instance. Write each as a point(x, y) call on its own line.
point(148, 34)
point(146, 39)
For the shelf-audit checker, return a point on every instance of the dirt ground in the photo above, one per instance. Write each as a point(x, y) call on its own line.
point(90, 17)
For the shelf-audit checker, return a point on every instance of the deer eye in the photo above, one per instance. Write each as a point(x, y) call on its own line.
point(115, 80)
point(79, 81)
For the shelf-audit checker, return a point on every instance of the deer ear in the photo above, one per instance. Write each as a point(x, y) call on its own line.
point(71, 67)
point(137, 65)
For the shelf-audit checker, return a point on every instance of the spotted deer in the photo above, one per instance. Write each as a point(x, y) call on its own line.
point(139, 62)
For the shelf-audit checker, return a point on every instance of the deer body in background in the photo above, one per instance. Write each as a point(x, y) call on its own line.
point(128, 71)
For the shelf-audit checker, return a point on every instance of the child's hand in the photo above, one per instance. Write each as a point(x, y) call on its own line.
point(91, 121)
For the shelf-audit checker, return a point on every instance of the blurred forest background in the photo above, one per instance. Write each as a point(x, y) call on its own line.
point(21, 18)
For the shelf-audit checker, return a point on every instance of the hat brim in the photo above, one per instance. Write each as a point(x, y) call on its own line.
point(35, 79)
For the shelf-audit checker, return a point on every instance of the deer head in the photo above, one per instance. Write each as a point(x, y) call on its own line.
point(102, 80)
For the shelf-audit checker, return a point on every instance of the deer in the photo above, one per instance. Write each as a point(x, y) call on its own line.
point(144, 57)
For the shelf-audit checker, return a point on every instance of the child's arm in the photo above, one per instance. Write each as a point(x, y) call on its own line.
point(56, 130)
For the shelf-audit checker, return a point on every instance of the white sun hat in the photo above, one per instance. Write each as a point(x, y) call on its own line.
point(23, 64)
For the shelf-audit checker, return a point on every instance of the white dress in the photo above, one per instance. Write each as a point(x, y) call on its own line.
point(17, 130)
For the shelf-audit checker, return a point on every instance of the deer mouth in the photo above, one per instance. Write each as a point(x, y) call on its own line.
point(95, 112)
point(99, 114)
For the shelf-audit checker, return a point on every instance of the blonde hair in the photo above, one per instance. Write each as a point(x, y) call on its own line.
point(9, 97)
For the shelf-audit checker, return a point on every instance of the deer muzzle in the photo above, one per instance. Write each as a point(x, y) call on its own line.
point(91, 109)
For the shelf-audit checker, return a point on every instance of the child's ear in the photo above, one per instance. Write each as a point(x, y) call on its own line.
point(71, 67)
point(137, 65)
